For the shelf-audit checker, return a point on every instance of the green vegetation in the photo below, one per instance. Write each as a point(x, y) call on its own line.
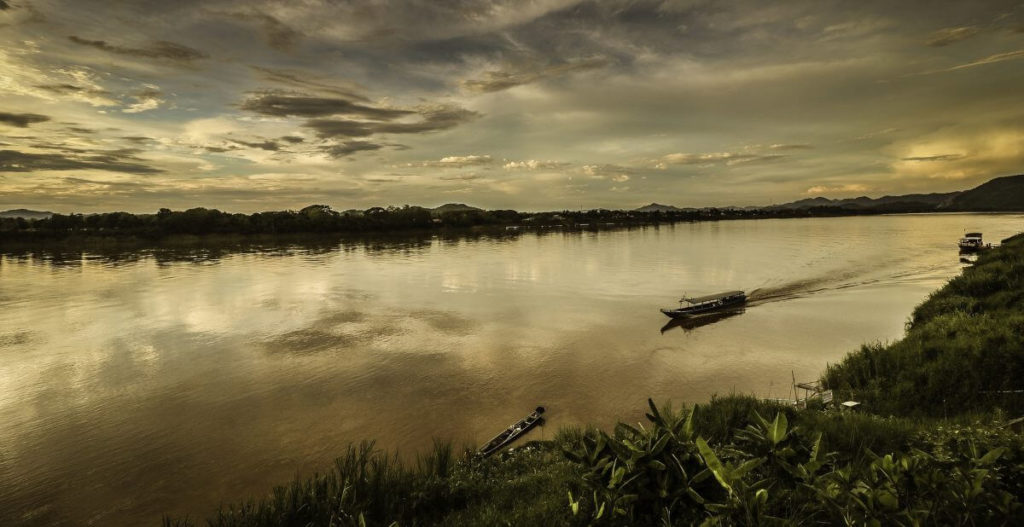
point(963, 351)
point(933, 447)
point(20, 225)
point(321, 219)
point(684, 467)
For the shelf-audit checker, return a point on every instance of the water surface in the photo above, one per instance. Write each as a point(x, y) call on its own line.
point(154, 382)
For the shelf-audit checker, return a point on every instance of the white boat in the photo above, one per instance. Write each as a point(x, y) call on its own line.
point(971, 242)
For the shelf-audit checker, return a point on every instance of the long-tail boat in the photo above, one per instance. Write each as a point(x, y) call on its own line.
point(510, 434)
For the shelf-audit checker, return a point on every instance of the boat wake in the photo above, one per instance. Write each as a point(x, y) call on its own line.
point(832, 282)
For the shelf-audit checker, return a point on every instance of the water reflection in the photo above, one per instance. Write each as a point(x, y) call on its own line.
point(693, 322)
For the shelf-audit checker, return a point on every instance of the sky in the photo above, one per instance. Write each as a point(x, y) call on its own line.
point(532, 105)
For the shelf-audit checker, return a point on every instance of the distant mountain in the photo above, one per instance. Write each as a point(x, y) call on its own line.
point(922, 201)
point(657, 207)
point(27, 214)
point(453, 207)
point(1005, 194)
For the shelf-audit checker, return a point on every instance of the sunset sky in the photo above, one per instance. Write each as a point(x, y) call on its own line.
point(537, 105)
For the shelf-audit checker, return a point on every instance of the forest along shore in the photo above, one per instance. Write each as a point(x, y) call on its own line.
point(1003, 194)
point(937, 440)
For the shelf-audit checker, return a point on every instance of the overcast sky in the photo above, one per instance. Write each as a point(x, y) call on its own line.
point(249, 105)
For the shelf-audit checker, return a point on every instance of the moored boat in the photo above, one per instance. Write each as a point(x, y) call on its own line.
point(971, 242)
point(707, 304)
point(510, 434)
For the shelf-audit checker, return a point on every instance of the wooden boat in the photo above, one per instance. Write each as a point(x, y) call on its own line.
point(707, 304)
point(510, 434)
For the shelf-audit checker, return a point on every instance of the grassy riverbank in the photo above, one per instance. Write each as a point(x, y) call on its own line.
point(932, 446)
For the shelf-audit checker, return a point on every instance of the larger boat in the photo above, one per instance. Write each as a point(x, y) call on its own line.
point(707, 304)
point(971, 243)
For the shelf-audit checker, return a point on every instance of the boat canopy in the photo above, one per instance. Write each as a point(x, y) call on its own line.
point(972, 235)
point(711, 298)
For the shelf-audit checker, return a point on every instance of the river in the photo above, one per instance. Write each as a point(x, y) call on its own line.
point(157, 382)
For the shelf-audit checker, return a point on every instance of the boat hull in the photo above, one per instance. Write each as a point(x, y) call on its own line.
point(690, 311)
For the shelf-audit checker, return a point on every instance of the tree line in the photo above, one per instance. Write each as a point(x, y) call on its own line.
point(323, 219)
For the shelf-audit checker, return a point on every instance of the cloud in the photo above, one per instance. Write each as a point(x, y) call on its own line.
point(346, 148)
point(282, 105)
point(498, 80)
point(615, 172)
point(455, 162)
point(305, 80)
point(939, 157)
point(991, 59)
point(65, 88)
point(847, 188)
point(952, 35)
point(22, 120)
point(798, 146)
point(145, 100)
point(460, 177)
point(4, 5)
point(716, 158)
point(277, 34)
point(271, 146)
point(115, 161)
point(432, 118)
point(160, 49)
point(533, 164)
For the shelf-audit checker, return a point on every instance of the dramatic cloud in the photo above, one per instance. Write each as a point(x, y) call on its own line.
point(538, 104)
point(951, 35)
point(304, 106)
point(14, 161)
point(155, 50)
point(504, 79)
point(22, 120)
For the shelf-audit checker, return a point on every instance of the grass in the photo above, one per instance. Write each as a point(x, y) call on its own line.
point(963, 350)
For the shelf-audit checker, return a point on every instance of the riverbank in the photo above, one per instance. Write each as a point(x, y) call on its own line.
point(737, 459)
point(168, 225)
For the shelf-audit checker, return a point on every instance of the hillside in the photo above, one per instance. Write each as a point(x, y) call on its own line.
point(453, 207)
point(1004, 194)
point(25, 213)
point(657, 207)
point(924, 201)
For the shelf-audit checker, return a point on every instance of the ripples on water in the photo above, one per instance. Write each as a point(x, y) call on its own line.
point(135, 382)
